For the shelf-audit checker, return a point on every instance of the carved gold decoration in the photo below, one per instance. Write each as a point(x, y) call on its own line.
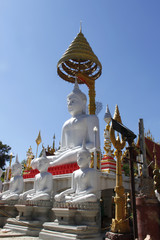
point(155, 157)
point(120, 224)
point(98, 160)
point(30, 156)
point(107, 142)
point(149, 136)
point(156, 173)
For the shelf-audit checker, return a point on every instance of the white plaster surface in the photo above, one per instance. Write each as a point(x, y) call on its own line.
point(43, 183)
point(15, 184)
point(75, 130)
point(84, 185)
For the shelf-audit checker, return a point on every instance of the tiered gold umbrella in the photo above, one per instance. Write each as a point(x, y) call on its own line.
point(79, 61)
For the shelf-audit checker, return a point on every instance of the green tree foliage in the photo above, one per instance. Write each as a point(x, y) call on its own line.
point(4, 154)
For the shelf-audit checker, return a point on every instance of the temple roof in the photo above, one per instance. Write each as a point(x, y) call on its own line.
point(149, 151)
point(150, 155)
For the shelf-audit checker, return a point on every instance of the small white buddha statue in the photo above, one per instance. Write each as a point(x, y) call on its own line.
point(75, 130)
point(15, 184)
point(1, 172)
point(43, 182)
point(84, 186)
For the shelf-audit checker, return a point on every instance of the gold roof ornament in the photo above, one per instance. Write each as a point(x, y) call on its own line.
point(155, 157)
point(79, 58)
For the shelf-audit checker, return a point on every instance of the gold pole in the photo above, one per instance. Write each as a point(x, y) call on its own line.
point(120, 224)
point(91, 86)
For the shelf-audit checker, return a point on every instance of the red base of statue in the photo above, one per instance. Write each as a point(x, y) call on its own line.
point(148, 217)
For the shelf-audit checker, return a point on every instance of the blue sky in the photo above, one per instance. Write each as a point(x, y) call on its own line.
point(125, 36)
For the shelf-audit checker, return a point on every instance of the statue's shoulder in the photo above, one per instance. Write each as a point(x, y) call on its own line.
point(66, 122)
point(38, 175)
point(19, 177)
point(93, 119)
point(48, 174)
point(92, 116)
point(76, 172)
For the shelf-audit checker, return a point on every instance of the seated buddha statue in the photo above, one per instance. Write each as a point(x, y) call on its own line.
point(75, 130)
point(15, 184)
point(84, 185)
point(43, 182)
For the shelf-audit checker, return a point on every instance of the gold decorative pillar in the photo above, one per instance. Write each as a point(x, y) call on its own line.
point(120, 224)
point(92, 93)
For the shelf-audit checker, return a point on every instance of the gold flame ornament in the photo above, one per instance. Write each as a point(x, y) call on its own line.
point(120, 224)
point(38, 141)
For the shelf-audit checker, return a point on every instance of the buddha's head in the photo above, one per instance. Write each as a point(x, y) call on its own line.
point(76, 101)
point(16, 167)
point(83, 157)
point(43, 162)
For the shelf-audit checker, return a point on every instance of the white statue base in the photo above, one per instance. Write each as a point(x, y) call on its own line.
point(73, 221)
point(7, 209)
point(31, 217)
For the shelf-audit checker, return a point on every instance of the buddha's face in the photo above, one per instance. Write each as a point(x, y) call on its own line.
point(16, 169)
point(43, 164)
point(83, 159)
point(75, 104)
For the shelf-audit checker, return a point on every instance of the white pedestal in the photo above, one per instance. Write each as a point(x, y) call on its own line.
point(30, 218)
point(78, 221)
point(7, 210)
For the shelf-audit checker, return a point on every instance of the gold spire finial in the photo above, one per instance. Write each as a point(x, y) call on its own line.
point(117, 142)
point(117, 116)
point(80, 29)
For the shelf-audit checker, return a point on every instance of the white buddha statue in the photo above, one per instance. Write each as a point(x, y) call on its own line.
point(75, 130)
point(15, 184)
point(1, 172)
point(43, 182)
point(84, 186)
